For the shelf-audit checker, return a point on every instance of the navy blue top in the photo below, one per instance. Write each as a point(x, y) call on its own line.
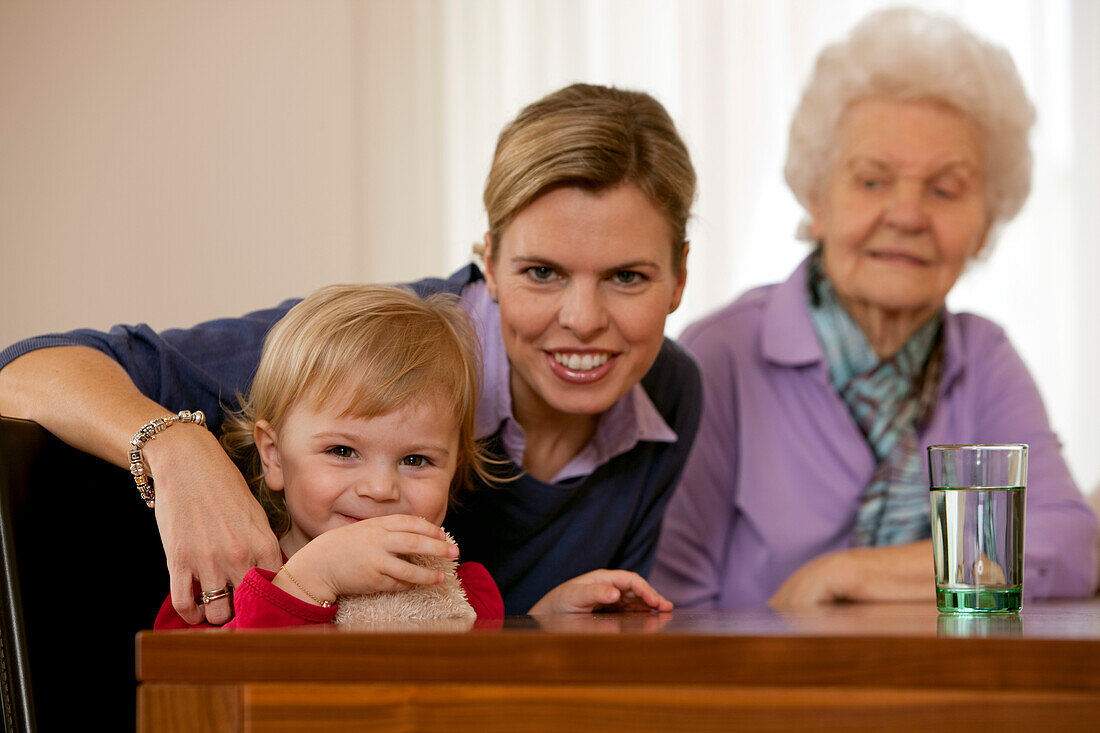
point(531, 535)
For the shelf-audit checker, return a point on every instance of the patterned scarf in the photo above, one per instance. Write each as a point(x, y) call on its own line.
point(889, 400)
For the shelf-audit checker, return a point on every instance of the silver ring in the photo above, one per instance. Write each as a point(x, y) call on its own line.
point(209, 596)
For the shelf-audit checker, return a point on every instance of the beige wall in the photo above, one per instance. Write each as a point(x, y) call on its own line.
point(171, 162)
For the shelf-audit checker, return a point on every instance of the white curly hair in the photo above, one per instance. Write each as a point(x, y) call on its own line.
point(909, 54)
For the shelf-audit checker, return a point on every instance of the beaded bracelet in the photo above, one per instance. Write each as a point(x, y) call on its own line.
point(147, 432)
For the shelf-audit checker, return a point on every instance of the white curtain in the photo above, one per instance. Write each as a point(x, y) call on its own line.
point(730, 73)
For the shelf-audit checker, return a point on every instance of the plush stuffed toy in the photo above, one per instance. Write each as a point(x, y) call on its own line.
point(420, 603)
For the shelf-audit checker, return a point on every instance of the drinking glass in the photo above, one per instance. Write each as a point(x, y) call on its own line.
point(978, 494)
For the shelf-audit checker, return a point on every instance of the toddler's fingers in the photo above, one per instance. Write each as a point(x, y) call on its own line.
point(403, 571)
point(406, 543)
point(409, 523)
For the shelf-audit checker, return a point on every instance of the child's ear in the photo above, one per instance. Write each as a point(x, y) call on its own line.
point(267, 445)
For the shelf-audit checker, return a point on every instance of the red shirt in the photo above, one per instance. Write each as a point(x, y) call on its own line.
point(259, 604)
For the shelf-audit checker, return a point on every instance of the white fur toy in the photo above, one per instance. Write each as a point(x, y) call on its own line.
point(420, 603)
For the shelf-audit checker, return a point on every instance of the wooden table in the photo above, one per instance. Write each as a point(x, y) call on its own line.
point(850, 667)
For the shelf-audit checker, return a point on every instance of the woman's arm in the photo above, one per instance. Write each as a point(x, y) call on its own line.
point(898, 573)
point(212, 528)
point(80, 395)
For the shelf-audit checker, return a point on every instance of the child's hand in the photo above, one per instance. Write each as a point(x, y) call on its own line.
point(602, 590)
point(363, 558)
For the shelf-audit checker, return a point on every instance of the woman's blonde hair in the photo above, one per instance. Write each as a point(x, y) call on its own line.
point(912, 55)
point(373, 349)
point(594, 137)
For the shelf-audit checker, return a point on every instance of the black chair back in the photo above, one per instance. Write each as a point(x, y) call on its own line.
point(83, 571)
point(15, 693)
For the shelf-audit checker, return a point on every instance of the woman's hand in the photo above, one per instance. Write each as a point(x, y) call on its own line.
point(364, 557)
point(212, 528)
point(899, 573)
point(602, 590)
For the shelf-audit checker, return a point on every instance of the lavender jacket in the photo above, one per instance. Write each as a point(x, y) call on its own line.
point(775, 476)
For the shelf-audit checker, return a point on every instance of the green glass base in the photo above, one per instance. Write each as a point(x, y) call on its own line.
point(1006, 600)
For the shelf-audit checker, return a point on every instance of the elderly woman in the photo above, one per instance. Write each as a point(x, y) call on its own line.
point(808, 483)
point(589, 409)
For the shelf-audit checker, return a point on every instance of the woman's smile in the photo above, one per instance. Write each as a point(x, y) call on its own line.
point(578, 362)
point(579, 367)
point(899, 258)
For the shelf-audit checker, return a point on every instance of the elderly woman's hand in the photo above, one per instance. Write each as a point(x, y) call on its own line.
point(212, 528)
point(898, 573)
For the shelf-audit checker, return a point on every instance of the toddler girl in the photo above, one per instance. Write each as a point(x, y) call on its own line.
point(358, 426)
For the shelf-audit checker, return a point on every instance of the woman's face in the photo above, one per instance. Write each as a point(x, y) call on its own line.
point(904, 206)
point(585, 281)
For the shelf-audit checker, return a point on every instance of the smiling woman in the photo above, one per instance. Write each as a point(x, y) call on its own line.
point(808, 483)
point(588, 409)
point(585, 281)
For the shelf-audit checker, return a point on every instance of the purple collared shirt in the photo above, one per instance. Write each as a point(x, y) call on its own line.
point(778, 468)
point(631, 419)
